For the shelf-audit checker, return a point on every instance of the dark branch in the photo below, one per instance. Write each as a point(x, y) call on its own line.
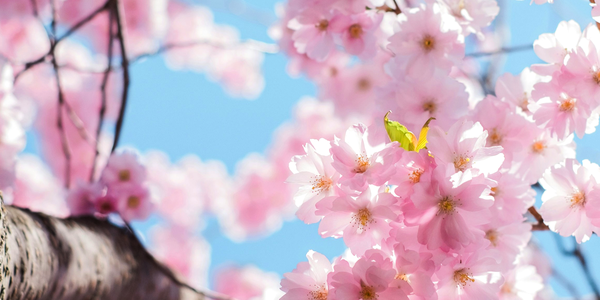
point(576, 252)
point(539, 226)
point(126, 82)
point(502, 50)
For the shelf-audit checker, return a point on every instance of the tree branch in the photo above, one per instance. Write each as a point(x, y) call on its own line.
point(539, 226)
point(43, 257)
point(502, 50)
point(126, 82)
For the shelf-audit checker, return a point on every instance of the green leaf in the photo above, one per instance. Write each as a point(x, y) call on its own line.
point(423, 136)
point(399, 133)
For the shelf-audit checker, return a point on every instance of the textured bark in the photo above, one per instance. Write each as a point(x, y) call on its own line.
point(43, 257)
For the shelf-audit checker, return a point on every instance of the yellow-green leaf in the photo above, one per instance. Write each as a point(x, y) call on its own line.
point(423, 135)
point(399, 133)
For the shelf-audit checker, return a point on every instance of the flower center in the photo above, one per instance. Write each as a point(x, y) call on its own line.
point(538, 147)
point(577, 199)
point(446, 206)
point(401, 277)
point(321, 184)
point(319, 294)
point(363, 218)
point(362, 164)
point(133, 201)
point(567, 105)
point(494, 191)
point(462, 277)
point(106, 207)
point(367, 292)
point(429, 107)
point(596, 77)
point(492, 236)
point(524, 103)
point(461, 163)
point(322, 25)
point(364, 84)
point(415, 176)
point(495, 138)
point(356, 31)
point(124, 175)
point(506, 289)
point(428, 43)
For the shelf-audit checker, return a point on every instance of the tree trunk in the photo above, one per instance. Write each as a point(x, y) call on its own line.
point(43, 257)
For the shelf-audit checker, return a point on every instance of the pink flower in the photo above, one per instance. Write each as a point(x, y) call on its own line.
point(244, 283)
point(521, 283)
point(448, 212)
point(309, 278)
point(134, 203)
point(469, 277)
point(357, 32)
point(123, 171)
point(512, 197)
point(368, 280)
point(316, 176)
point(362, 221)
point(413, 272)
point(439, 97)
point(472, 15)
point(312, 33)
point(359, 163)
point(560, 111)
point(507, 239)
point(553, 48)
point(569, 192)
point(426, 42)
point(463, 147)
point(81, 198)
point(516, 90)
point(412, 169)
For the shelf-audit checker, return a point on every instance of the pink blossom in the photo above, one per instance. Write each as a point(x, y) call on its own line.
point(464, 147)
point(472, 15)
point(357, 32)
point(553, 48)
point(448, 212)
point(243, 283)
point(412, 169)
point(521, 283)
point(507, 239)
point(316, 176)
point(134, 203)
point(516, 90)
point(309, 278)
point(82, 197)
point(581, 74)
point(359, 163)
point(312, 33)
point(469, 277)
point(362, 221)
point(512, 197)
point(426, 42)
point(569, 190)
point(123, 171)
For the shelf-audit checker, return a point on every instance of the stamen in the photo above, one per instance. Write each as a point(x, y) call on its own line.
point(321, 184)
point(401, 276)
point(494, 191)
point(567, 105)
point(356, 31)
point(124, 175)
point(538, 147)
point(367, 292)
point(133, 202)
point(596, 77)
point(364, 84)
point(430, 106)
point(461, 163)
point(363, 218)
point(495, 138)
point(462, 277)
point(319, 294)
point(492, 236)
point(362, 164)
point(577, 199)
point(446, 206)
point(415, 176)
point(428, 43)
point(322, 25)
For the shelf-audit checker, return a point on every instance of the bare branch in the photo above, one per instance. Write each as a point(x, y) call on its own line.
point(539, 226)
point(126, 82)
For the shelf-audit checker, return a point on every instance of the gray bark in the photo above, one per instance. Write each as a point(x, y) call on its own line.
point(43, 257)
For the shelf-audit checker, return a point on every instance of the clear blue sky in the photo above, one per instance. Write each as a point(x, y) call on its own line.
point(182, 113)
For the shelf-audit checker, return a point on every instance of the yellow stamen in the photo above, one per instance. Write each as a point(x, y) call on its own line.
point(428, 43)
point(577, 199)
point(367, 292)
point(506, 289)
point(363, 218)
point(538, 147)
point(446, 205)
point(524, 103)
point(356, 31)
point(494, 191)
point(461, 163)
point(319, 294)
point(492, 236)
point(124, 175)
point(321, 184)
point(596, 77)
point(462, 277)
point(415, 176)
point(362, 164)
point(401, 276)
point(495, 138)
point(567, 105)
point(322, 25)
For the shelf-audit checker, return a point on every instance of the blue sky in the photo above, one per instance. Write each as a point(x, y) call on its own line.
point(183, 113)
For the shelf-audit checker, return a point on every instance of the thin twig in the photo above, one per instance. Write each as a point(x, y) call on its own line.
point(398, 10)
point(576, 252)
point(126, 79)
point(539, 226)
point(502, 50)
point(105, 77)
